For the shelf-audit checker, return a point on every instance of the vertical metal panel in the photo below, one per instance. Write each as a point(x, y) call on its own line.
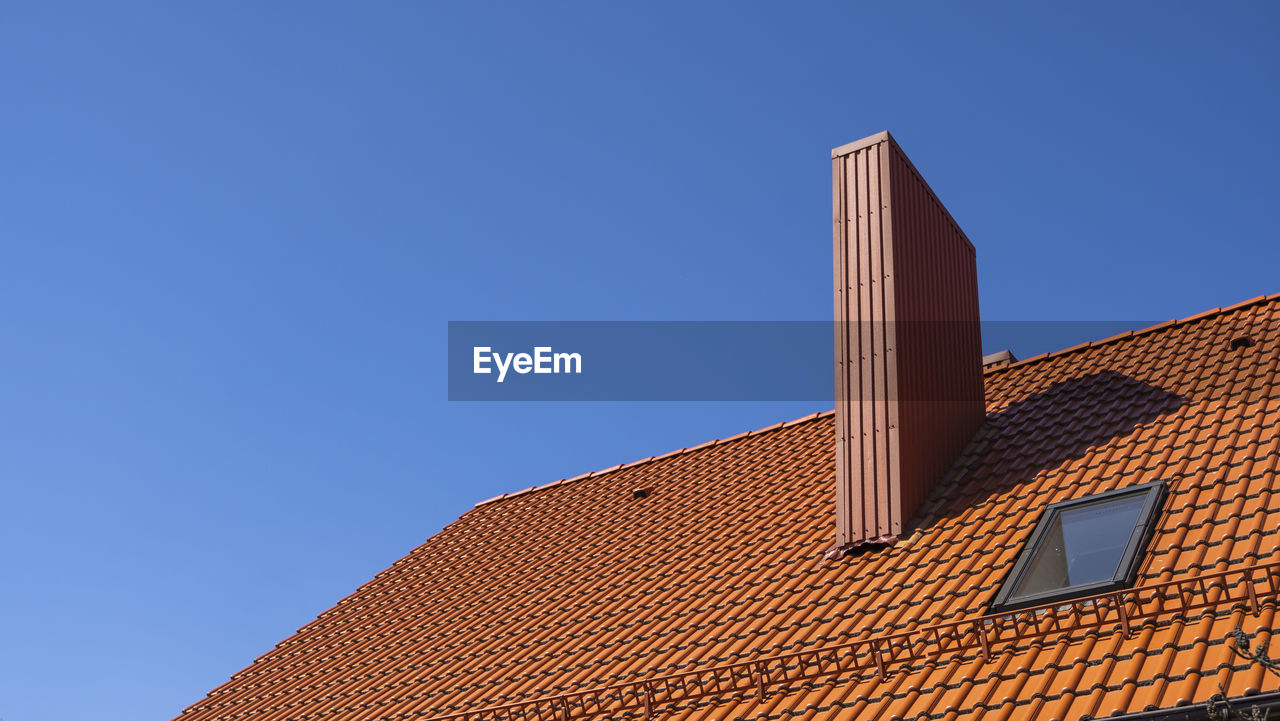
point(849, 501)
point(908, 348)
point(864, 503)
point(892, 417)
point(849, 497)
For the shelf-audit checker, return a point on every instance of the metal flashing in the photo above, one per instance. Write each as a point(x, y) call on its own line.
point(855, 146)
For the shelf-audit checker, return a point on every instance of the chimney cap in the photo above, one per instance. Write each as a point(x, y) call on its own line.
point(857, 145)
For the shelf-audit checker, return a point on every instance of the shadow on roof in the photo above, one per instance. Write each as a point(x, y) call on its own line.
point(1045, 430)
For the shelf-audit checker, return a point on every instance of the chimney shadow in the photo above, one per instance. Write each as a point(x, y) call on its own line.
point(1044, 430)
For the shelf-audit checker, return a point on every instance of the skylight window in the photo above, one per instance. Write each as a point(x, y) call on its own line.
point(1083, 547)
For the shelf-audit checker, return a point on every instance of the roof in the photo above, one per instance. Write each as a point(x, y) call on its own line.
point(714, 596)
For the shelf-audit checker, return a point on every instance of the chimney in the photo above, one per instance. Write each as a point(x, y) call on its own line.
point(908, 347)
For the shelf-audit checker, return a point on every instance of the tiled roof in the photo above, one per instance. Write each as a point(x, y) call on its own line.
point(713, 596)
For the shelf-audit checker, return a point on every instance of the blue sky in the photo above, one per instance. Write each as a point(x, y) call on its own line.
point(231, 237)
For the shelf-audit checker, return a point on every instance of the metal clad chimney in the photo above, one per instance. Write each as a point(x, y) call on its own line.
point(909, 392)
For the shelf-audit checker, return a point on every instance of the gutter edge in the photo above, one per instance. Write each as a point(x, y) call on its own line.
point(1200, 711)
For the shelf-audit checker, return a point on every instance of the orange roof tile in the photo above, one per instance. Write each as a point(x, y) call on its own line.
point(714, 597)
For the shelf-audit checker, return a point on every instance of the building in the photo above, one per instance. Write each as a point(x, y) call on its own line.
point(1071, 536)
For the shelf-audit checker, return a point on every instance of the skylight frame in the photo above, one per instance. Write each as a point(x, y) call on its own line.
point(1126, 569)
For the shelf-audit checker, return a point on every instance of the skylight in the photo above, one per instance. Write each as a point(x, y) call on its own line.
point(1082, 547)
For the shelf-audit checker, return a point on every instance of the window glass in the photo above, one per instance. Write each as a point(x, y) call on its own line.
point(1084, 544)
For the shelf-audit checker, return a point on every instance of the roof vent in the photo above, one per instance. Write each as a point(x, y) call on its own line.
point(999, 360)
point(908, 347)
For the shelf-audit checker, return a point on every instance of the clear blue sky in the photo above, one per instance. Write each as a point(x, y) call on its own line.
point(231, 236)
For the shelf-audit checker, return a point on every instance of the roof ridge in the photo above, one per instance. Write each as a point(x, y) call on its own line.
point(1129, 334)
point(650, 459)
